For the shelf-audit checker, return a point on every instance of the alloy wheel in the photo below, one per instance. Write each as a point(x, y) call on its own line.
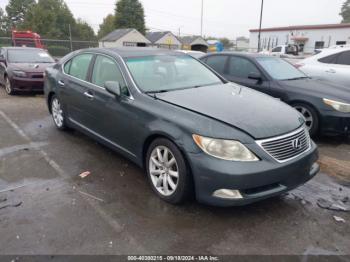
point(164, 171)
point(309, 120)
point(57, 112)
point(8, 87)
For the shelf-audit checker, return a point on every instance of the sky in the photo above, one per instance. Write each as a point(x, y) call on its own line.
point(222, 18)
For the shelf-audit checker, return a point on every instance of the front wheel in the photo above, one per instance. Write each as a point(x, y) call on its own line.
point(310, 116)
point(8, 87)
point(167, 171)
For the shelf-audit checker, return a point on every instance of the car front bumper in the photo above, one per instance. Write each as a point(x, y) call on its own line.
point(335, 123)
point(254, 180)
point(27, 84)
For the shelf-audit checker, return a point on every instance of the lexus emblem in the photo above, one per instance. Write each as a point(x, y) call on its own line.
point(296, 144)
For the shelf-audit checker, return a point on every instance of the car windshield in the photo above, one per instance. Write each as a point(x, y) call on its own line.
point(29, 56)
point(280, 69)
point(162, 73)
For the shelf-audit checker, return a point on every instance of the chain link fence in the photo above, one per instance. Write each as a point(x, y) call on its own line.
point(55, 47)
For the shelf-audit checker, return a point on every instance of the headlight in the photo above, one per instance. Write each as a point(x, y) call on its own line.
point(20, 73)
point(339, 106)
point(225, 149)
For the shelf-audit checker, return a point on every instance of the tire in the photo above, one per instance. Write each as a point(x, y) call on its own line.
point(8, 87)
point(58, 114)
point(311, 117)
point(161, 170)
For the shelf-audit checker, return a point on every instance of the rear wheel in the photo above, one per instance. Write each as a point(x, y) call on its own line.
point(8, 87)
point(58, 113)
point(310, 116)
point(167, 171)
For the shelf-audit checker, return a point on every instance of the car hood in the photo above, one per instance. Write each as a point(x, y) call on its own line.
point(257, 114)
point(30, 67)
point(319, 88)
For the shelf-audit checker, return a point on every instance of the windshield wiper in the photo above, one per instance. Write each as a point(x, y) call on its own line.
point(158, 91)
point(296, 78)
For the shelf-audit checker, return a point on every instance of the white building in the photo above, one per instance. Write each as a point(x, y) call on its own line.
point(242, 43)
point(124, 37)
point(308, 37)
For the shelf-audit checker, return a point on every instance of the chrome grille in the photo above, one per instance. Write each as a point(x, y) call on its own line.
point(287, 147)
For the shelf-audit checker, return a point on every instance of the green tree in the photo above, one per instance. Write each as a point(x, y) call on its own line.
point(50, 18)
point(16, 12)
point(130, 14)
point(107, 26)
point(345, 12)
point(83, 31)
point(4, 30)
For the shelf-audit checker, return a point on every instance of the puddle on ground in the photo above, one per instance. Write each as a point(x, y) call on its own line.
point(323, 192)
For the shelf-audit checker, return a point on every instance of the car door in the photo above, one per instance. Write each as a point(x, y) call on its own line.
point(112, 117)
point(342, 68)
point(335, 68)
point(73, 88)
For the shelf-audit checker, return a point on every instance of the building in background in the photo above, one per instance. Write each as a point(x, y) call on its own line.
point(242, 43)
point(195, 43)
point(164, 39)
point(124, 37)
point(307, 37)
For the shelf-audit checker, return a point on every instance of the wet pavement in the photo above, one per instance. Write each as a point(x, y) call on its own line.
point(51, 210)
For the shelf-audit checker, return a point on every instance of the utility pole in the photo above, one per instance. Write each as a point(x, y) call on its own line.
point(202, 18)
point(70, 38)
point(261, 16)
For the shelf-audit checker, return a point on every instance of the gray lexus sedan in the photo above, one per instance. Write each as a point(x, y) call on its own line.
point(191, 130)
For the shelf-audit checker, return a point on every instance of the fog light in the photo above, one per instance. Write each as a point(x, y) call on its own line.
point(228, 194)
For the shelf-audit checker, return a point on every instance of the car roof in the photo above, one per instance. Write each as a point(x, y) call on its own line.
point(128, 52)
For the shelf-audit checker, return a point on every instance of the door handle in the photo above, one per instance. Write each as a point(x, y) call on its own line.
point(61, 83)
point(89, 95)
point(331, 71)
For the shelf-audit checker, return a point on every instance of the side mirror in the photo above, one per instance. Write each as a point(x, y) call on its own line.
point(255, 76)
point(113, 87)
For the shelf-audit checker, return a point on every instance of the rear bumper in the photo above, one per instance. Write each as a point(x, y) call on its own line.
point(27, 84)
point(255, 181)
point(335, 123)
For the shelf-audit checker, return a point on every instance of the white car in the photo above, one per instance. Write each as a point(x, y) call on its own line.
point(195, 54)
point(331, 64)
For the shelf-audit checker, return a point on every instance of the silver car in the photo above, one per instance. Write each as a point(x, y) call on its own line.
point(331, 64)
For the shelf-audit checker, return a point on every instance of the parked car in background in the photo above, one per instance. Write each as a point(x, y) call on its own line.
point(22, 69)
point(324, 105)
point(187, 126)
point(195, 54)
point(284, 51)
point(330, 64)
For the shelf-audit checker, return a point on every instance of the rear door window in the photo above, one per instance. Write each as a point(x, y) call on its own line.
point(331, 59)
point(344, 58)
point(79, 66)
point(218, 63)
